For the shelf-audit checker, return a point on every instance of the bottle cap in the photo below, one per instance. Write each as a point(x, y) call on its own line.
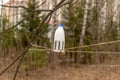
point(60, 25)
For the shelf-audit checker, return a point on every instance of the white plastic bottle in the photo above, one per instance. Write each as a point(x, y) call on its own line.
point(59, 39)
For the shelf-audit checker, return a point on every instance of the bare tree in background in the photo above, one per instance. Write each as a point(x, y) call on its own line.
point(84, 23)
point(1, 15)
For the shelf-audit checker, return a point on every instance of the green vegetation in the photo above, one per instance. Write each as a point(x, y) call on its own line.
point(73, 25)
point(25, 35)
point(95, 32)
point(34, 59)
point(29, 26)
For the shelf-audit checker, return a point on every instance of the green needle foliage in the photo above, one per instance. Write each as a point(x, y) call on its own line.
point(33, 20)
point(73, 20)
point(25, 35)
point(34, 59)
point(7, 40)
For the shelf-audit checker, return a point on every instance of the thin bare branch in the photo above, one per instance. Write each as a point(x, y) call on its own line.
point(45, 10)
point(15, 60)
point(15, 7)
point(18, 66)
point(12, 27)
point(43, 2)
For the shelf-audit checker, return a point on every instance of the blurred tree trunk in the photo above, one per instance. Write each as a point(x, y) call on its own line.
point(1, 24)
point(82, 35)
point(84, 23)
point(52, 55)
point(101, 27)
point(101, 11)
point(92, 9)
point(116, 18)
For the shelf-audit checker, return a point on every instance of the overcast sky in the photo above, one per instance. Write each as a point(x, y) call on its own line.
point(4, 1)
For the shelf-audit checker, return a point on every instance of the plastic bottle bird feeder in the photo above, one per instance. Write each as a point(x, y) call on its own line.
point(59, 39)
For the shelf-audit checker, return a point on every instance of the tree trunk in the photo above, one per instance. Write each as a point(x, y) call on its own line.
point(84, 23)
point(52, 55)
point(83, 28)
point(101, 14)
point(1, 24)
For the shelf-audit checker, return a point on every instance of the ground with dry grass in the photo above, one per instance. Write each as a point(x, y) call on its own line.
point(84, 72)
point(103, 71)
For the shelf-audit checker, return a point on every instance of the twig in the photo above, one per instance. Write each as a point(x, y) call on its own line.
point(15, 60)
point(16, 7)
point(44, 10)
point(43, 2)
point(12, 27)
point(18, 66)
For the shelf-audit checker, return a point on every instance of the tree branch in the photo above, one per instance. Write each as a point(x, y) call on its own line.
point(43, 2)
point(15, 60)
point(18, 66)
point(15, 7)
point(12, 27)
point(44, 10)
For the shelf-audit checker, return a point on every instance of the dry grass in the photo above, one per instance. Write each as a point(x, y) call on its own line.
point(83, 72)
point(70, 73)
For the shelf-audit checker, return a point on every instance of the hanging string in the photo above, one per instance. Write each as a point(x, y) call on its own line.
point(92, 45)
point(96, 52)
point(32, 49)
point(39, 46)
point(85, 52)
point(67, 50)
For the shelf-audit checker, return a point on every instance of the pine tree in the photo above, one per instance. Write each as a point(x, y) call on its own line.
point(33, 19)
